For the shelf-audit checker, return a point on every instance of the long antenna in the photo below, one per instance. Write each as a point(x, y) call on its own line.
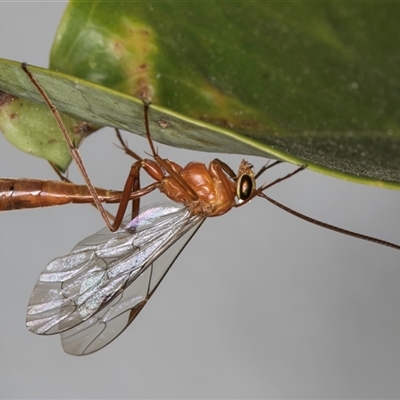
point(329, 226)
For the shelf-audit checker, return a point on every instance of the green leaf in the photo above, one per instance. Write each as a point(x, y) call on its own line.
point(32, 128)
point(309, 83)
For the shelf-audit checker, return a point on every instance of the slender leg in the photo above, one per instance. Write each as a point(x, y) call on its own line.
point(146, 123)
point(58, 172)
point(222, 170)
point(73, 150)
point(125, 148)
point(226, 168)
point(161, 162)
point(132, 187)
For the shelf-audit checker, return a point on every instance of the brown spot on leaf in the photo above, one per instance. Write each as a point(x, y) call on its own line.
point(85, 128)
point(223, 122)
point(144, 32)
point(144, 91)
point(240, 125)
point(6, 98)
point(162, 123)
point(118, 45)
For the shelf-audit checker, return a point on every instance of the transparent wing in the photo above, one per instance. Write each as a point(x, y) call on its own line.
point(97, 290)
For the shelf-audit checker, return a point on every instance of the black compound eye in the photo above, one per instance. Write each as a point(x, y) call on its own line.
point(244, 187)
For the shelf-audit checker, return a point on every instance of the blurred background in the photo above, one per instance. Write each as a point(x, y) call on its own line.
point(260, 303)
